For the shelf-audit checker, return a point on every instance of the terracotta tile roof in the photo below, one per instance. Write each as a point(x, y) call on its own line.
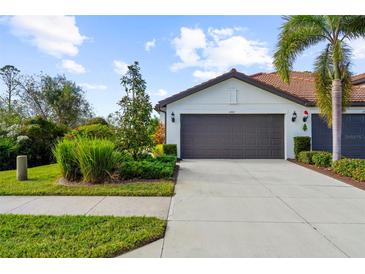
point(360, 76)
point(358, 79)
point(302, 85)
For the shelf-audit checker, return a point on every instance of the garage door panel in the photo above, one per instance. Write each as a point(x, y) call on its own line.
point(232, 136)
point(353, 135)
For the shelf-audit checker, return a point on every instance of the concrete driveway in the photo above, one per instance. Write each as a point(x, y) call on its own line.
point(260, 208)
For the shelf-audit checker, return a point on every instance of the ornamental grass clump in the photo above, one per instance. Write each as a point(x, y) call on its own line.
point(65, 153)
point(97, 159)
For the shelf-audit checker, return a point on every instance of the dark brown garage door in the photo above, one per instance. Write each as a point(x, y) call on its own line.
point(236, 136)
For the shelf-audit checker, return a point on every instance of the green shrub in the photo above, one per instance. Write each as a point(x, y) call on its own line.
point(97, 159)
point(147, 169)
point(306, 156)
point(145, 156)
point(301, 143)
point(350, 168)
point(124, 156)
point(8, 153)
point(359, 174)
point(65, 153)
point(96, 120)
point(166, 159)
point(322, 159)
point(170, 149)
point(43, 135)
point(158, 150)
point(92, 131)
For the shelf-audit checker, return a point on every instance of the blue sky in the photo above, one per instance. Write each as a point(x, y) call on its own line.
point(175, 52)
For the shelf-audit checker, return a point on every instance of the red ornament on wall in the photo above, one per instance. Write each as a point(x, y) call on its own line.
point(305, 116)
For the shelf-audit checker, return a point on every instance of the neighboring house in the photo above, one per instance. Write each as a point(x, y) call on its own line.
point(241, 116)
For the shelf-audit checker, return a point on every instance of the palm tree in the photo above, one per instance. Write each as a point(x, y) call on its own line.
point(332, 74)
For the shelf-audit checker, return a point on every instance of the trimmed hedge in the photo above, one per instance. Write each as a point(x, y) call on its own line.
point(301, 143)
point(306, 156)
point(170, 149)
point(165, 149)
point(317, 158)
point(354, 168)
point(359, 174)
point(158, 168)
point(166, 159)
point(322, 159)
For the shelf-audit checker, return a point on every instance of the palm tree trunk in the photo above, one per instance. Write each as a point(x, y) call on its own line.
point(336, 119)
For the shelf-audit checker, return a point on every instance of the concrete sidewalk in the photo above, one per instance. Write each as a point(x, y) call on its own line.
point(86, 205)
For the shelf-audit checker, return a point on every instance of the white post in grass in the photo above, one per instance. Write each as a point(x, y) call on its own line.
point(21, 168)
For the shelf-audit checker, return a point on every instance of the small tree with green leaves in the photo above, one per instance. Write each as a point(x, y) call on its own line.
point(10, 77)
point(134, 132)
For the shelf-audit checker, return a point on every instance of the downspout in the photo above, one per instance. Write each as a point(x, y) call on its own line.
point(165, 112)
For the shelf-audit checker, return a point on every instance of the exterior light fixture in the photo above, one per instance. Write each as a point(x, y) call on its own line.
point(294, 117)
point(173, 117)
point(305, 116)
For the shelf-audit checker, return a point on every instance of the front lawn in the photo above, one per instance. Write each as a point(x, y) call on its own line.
point(43, 181)
point(75, 236)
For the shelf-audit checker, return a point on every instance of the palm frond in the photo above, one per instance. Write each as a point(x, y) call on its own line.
point(298, 33)
point(325, 73)
point(323, 80)
point(353, 26)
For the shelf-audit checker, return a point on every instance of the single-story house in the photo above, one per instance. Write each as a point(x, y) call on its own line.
point(256, 117)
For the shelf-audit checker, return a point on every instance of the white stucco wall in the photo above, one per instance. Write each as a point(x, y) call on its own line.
point(250, 100)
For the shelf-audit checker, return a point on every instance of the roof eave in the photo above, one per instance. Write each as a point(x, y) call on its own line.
point(231, 74)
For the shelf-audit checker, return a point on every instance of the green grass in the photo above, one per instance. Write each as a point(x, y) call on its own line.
point(43, 181)
point(75, 236)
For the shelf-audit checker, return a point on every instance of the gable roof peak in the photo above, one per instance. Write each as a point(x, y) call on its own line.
point(233, 73)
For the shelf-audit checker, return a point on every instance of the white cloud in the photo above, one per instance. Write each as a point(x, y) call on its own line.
point(150, 44)
point(161, 92)
point(187, 45)
point(218, 51)
point(120, 67)
point(206, 75)
point(73, 67)
point(358, 48)
point(222, 33)
point(88, 86)
point(53, 35)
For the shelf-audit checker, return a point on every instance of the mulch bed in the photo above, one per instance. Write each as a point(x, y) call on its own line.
point(330, 173)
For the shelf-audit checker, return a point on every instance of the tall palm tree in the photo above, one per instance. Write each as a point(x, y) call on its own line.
point(333, 77)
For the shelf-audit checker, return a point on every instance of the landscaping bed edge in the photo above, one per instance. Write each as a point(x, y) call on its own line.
point(330, 173)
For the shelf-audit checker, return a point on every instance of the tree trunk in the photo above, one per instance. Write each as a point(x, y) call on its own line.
point(336, 119)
